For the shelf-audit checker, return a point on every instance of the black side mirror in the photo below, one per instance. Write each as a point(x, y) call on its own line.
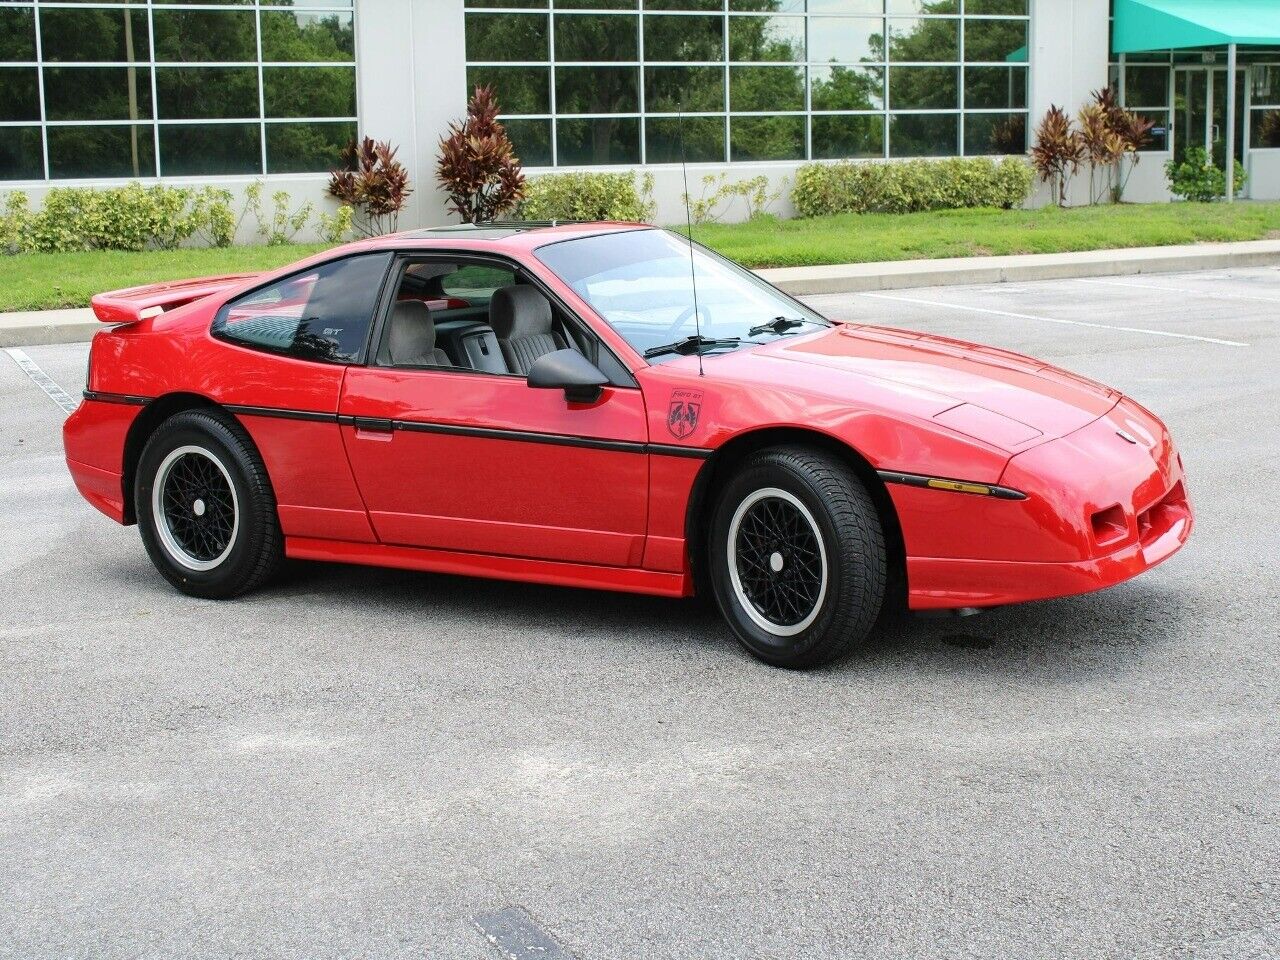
point(570, 371)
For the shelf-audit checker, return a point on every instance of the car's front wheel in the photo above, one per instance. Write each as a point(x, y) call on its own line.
point(797, 557)
point(205, 506)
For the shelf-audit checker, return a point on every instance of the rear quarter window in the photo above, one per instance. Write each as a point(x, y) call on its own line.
point(320, 314)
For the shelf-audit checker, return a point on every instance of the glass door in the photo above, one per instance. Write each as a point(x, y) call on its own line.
point(1191, 110)
point(1200, 112)
point(1219, 118)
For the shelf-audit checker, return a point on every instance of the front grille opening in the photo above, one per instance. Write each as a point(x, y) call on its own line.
point(1110, 525)
point(1162, 515)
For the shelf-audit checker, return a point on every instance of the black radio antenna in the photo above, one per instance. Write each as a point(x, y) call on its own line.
point(688, 220)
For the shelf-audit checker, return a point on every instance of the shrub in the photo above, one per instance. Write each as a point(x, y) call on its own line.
point(588, 196)
point(718, 195)
point(908, 186)
point(373, 183)
point(1131, 133)
point(478, 166)
point(216, 224)
point(131, 217)
point(281, 225)
point(1102, 146)
point(1058, 152)
point(335, 227)
point(1197, 178)
point(14, 223)
point(1111, 138)
point(134, 217)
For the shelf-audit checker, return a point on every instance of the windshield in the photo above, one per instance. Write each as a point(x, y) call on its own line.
point(640, 282)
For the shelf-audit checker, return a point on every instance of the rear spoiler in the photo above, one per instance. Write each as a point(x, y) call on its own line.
point(142, 303)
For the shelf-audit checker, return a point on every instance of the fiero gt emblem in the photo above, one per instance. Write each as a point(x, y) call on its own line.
point(682, 414)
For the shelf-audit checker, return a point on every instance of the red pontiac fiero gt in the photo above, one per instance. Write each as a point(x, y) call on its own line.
point(564, 404)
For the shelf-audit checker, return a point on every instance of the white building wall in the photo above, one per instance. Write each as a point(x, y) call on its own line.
point(1263, 167)
point(386, 92)
point(1069, 56)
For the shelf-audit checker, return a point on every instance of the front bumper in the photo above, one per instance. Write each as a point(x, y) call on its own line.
point(1104, 504)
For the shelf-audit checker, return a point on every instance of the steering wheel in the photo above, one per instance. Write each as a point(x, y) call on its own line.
point(685, 314)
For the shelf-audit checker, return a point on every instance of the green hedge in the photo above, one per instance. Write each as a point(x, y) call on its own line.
point(588, 196)
point(908, 186)
point(132, 217)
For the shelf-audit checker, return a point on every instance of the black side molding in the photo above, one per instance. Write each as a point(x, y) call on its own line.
point(950, 485)
point(117, 398)
point(381, 425)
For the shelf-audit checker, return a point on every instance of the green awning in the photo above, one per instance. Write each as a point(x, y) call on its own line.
point(1142, 25)
point(1018, 56)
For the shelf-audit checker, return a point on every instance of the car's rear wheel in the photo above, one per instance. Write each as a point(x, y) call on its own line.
point(797, 557)
point(205, 506)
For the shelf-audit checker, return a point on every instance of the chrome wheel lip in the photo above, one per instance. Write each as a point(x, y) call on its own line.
point(749, 608)
point(165, 532)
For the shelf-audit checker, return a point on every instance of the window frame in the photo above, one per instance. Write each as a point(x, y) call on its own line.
point(724, 10)
point(361, 357)
point(147, 66)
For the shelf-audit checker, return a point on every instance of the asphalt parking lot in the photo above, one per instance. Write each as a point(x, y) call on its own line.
point(357, 763)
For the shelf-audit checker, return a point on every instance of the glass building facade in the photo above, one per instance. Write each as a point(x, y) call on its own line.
point(584, 82)
point(1183, 93)
point(137, 90)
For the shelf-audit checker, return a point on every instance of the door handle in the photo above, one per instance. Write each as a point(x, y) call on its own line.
point(371, 425)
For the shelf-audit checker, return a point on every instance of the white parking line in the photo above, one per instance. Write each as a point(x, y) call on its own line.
point(42, 380)
point(1074, 323)
point(1211, 294)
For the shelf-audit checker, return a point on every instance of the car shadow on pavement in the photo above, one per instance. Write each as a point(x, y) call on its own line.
point(1105, 630)
point(1119, 624)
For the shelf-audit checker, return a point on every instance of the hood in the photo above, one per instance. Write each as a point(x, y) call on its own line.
point(983, 392)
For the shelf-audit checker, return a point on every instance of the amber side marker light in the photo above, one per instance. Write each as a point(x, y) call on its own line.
point(951, 486)
point(960, 487)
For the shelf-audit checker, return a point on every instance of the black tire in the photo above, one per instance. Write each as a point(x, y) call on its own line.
point(205, 462)
point(787, 512)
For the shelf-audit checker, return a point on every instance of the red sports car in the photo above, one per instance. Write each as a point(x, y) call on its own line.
point(605, 405)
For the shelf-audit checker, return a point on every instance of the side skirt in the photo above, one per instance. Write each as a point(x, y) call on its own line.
point(588, 576)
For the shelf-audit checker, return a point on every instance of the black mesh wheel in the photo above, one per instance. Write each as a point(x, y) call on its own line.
point(205, 506)
point(797, 557)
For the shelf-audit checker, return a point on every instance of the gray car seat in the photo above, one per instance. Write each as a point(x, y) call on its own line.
point(521, 320)
point(411, 338)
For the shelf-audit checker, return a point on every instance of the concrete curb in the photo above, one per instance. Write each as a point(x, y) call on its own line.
point(75, 326)
point(36, 327)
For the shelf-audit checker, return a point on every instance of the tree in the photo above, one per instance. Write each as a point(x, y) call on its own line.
point(478, 166)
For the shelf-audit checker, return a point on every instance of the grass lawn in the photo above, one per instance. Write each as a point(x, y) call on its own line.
point(863, 238)
point(44, 281)
point(48, 280)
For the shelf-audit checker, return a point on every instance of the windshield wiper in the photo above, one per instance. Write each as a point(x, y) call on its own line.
point(780, 325)
point(692, 344)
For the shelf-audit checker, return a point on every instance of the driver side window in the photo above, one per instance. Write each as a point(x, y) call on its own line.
point(479, 317)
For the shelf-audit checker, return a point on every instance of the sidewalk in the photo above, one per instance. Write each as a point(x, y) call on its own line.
point(34, 327)
point(72, 326)
point(897, 275)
